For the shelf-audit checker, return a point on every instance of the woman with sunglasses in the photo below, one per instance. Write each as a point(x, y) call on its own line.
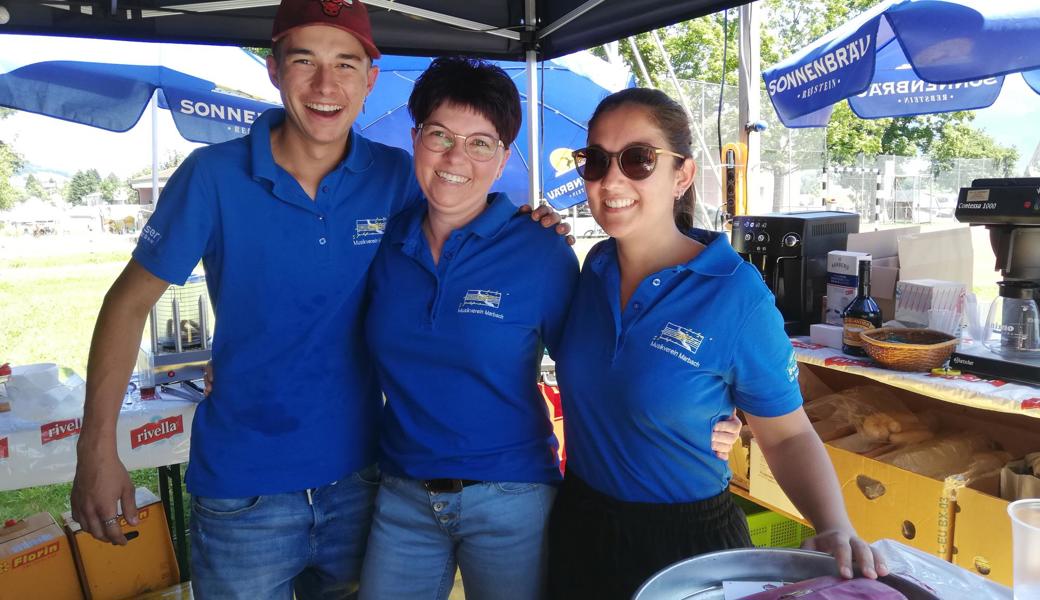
point(669, 331)
point(464, 294)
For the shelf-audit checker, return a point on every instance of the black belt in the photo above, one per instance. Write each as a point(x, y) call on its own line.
point(444, 486)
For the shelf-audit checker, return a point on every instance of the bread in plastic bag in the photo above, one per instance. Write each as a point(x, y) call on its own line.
point(942, 456)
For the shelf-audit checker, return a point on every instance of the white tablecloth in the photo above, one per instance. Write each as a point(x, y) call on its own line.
point(150, 433)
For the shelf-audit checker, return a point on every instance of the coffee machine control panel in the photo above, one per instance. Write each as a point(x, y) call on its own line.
point(766, 235)
point(1014, 201)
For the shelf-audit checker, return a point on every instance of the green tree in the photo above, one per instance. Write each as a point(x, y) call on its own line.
point(34, 188)
point(81, 184)
point(961, 140)
point(10, 163)
point(109, 186)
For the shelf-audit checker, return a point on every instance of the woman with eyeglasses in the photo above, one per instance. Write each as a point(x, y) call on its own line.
point(669, 330)
point(464, 294)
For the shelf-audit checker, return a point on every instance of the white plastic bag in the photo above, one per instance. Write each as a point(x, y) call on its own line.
point(44, 392)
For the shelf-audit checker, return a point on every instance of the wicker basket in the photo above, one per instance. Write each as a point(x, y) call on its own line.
point(908, 349)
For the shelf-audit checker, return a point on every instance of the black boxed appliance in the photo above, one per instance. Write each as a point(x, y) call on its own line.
point(790, 251)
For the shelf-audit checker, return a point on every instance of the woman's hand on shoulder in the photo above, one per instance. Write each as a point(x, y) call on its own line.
point(848, 549)
point(725, 434)
point(548, 217)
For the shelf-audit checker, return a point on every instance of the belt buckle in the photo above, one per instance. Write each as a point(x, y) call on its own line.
point(443, 486)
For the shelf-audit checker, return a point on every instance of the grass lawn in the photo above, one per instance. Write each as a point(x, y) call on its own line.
point(50, 291)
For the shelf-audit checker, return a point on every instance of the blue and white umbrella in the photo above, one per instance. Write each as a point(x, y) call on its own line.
point(910, 57)
point(571, 87)
point(213, 92)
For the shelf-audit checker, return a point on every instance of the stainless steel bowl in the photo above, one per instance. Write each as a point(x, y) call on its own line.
point(701, 577)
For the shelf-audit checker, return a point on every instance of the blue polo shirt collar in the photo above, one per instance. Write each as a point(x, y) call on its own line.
point(488, 224)
point(492, 221)
point(718, 259)
point(358, 159)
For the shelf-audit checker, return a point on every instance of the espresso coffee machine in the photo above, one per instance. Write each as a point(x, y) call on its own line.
point(1010, 210)
point(790, 251)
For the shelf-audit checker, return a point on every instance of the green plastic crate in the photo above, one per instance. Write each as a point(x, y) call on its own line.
point(769, 529)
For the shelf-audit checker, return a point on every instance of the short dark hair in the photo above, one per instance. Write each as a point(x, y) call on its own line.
point(673, 122)
point(475, 84)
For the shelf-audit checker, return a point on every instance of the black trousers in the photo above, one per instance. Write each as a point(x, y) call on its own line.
point(602, 548)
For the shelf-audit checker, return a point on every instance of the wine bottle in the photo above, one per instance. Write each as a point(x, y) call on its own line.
point(860, 315)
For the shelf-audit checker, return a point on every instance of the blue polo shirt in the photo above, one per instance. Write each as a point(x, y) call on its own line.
point(642, 389)
point(458, 344)
point(295, 403)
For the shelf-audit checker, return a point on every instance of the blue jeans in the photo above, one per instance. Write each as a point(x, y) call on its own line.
point(494, 532)
point(270, 546)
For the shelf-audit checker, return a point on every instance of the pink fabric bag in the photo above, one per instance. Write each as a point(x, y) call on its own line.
point(831, 588)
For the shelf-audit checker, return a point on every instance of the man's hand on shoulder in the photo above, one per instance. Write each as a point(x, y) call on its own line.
point(548, 217)
point(101, 483)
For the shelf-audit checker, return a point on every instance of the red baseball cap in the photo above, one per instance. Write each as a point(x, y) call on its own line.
point(349, 15)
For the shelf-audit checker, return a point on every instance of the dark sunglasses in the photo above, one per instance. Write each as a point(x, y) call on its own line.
point(636, 162)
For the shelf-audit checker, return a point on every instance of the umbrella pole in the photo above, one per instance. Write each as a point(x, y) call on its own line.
point(155, 148)
point(533, 142)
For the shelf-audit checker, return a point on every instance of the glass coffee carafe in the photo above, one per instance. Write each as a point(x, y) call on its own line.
point(1013, 324)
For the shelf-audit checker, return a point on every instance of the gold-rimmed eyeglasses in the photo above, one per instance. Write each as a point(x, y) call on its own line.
point(438, 138)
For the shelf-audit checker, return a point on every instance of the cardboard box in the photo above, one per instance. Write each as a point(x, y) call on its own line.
point(740, 460)
point(181, 591)
point(882, 501)
point(36, 561)
point(915, 297)
point(883, 246)
point(906, 253)
point(763, 486)
point(842, 282)
point(145, 564)
point(982, 531)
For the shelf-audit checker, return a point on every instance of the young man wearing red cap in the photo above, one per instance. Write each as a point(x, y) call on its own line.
point(286, 221)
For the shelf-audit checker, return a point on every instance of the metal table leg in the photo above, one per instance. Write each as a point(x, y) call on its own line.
point(171, 494)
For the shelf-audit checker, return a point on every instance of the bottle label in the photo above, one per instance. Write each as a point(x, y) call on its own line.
point(852, 328)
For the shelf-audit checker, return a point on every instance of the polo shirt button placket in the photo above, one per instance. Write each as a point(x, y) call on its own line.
point(322, 241)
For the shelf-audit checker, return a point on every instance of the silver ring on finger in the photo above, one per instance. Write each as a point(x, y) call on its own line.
point(111, 522)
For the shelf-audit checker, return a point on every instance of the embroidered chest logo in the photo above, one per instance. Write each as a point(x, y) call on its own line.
point(681, 342)
point(369, 231)
point(481, 302)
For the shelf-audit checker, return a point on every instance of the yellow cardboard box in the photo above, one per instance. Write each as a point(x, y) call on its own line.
point(36, 562)
point(982, 536)
point(882, 501)
point(740, 460)
point(145, 564)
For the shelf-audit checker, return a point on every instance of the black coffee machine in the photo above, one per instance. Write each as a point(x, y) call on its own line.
point(1010, 210)
point(790, 251)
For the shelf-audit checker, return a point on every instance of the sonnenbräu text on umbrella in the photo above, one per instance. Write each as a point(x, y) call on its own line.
point(217, 111)
point(571, 186)
point(917, 86)
point(839, 58)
